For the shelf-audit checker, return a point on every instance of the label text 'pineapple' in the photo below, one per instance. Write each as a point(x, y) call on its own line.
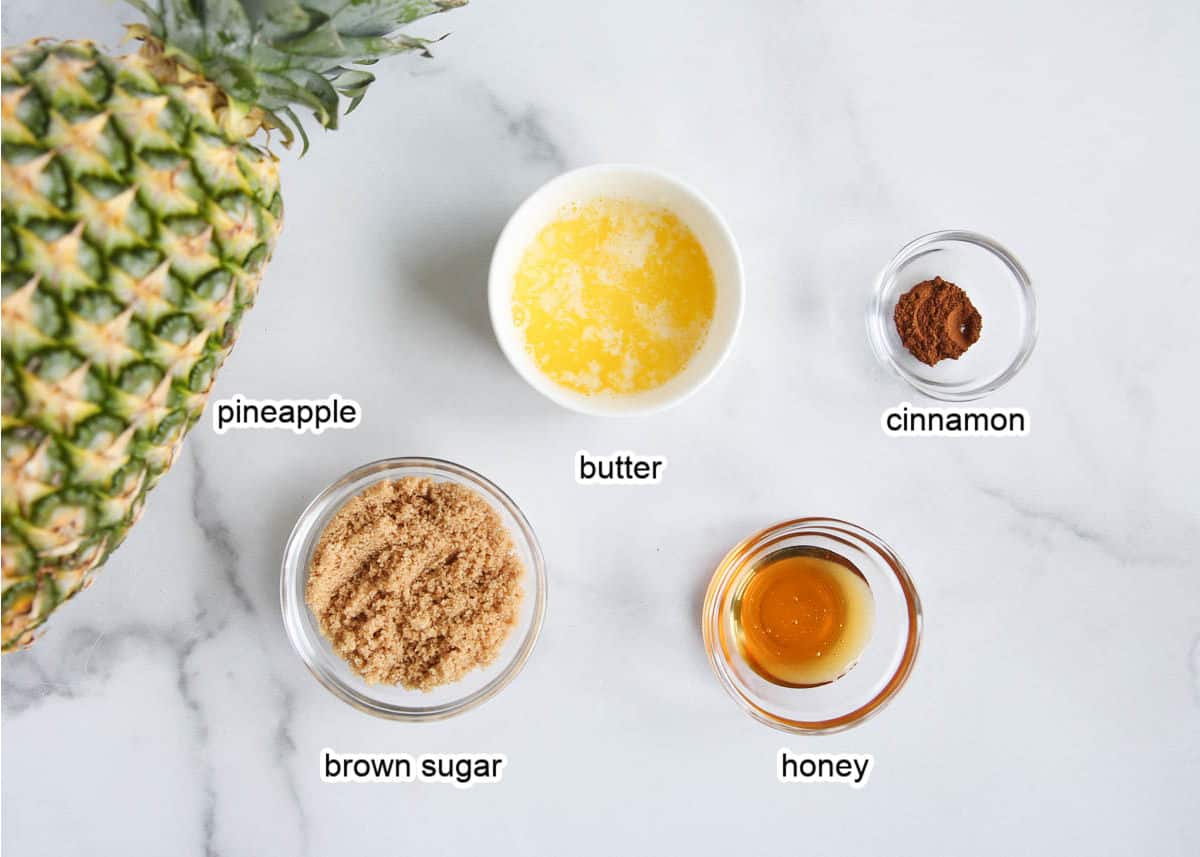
point(299, 415)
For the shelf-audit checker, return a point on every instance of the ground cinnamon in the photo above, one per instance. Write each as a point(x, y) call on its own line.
point(936, 320)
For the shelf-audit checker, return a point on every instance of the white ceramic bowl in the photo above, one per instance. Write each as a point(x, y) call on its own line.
point(620, 181)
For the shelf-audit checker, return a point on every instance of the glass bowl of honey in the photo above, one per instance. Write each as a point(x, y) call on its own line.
point(812, 625)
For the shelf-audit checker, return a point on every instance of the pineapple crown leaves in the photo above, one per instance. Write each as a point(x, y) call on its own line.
point(278, 54)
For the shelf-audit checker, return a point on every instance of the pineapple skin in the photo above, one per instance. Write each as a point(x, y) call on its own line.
point(137, 220)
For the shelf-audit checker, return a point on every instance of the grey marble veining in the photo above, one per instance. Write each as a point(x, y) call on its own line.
point(1056, 704)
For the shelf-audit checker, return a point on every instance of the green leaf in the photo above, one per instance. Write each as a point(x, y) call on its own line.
point(236, 78)
point(286, 20)
point(323, 41)
point(301, 86)
point(352, 84)
point(152, 17)
point(277, 123)
point(226, 27)
point(387, 46)
point(365, 18)
point(299, 127)
point(321, 94)
point(183, 28)
point(350, 81)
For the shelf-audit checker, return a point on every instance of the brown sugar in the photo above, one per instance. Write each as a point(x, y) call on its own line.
point(936, 320)
point(415, 583)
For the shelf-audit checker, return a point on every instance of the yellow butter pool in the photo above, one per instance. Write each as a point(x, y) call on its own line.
point(614, 296)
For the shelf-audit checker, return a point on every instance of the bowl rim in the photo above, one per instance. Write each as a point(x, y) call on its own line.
point(876, 317)
point(726, 575)
point(498, 309)
point(294, 565)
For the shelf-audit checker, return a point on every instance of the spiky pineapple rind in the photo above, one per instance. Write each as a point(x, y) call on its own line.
point(137, 219)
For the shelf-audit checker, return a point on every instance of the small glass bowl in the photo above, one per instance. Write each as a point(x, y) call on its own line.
point(882, 668)
point(388, 701)
point(998, 287)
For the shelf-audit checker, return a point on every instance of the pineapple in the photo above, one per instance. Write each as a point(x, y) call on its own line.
point(140, 207)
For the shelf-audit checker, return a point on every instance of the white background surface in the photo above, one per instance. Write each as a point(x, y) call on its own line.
point(1056, 704)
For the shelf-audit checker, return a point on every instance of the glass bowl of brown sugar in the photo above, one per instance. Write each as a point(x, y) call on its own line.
point(978, 333)
point(423, 498)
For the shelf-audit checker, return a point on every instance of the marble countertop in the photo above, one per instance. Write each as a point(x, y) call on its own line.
point(1055, 707)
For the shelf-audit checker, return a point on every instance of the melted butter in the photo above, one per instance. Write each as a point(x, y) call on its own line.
point(615, 296)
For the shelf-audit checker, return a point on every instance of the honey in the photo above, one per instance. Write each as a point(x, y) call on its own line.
point(614, 296)
point(802, 617)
